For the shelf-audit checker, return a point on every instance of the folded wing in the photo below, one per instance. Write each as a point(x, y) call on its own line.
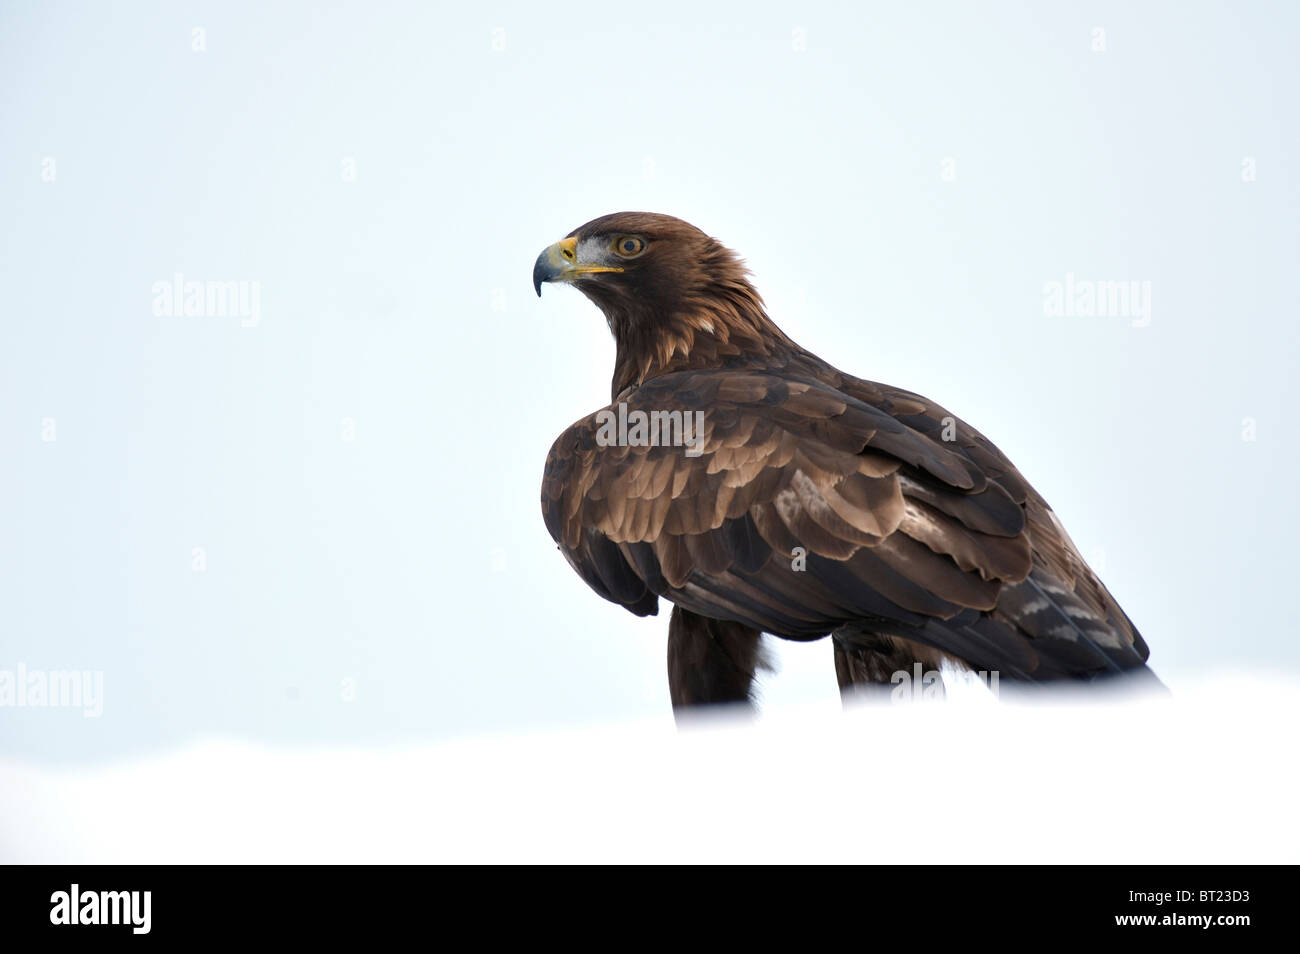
point(810, 502)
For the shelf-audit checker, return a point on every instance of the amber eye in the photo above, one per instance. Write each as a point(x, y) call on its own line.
point(629, 245)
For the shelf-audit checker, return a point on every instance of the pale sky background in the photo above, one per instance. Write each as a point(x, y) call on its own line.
point(903, 179)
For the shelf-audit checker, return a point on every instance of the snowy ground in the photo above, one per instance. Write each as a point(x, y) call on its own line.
point(1207, 776)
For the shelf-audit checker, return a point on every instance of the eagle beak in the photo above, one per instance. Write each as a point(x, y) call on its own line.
point(555, 262)
point(559, 263)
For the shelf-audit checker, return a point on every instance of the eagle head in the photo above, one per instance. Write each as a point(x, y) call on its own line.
point(637, 262)
point(673, 296)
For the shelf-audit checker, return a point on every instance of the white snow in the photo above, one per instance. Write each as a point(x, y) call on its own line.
point(1206, 776)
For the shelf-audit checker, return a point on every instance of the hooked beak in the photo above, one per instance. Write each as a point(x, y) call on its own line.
point(559, 263)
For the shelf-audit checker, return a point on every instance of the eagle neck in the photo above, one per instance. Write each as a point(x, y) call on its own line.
point(725, 328)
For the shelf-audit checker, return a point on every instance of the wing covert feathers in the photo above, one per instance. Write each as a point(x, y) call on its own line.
point(811, 502)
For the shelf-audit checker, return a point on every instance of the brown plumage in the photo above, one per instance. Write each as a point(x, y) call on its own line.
point(811, 503)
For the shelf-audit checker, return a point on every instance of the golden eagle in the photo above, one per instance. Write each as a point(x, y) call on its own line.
point(761, 490)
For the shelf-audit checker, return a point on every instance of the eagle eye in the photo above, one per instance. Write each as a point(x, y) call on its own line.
point(629, 246)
